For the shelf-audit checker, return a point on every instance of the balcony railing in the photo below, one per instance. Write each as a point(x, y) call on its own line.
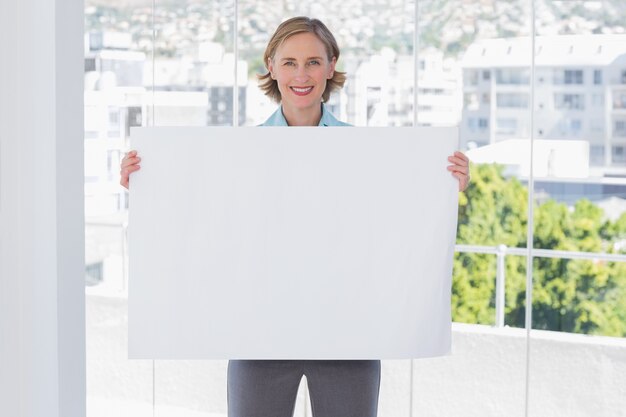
point(501, 251)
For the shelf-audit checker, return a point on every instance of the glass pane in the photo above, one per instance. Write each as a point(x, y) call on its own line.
point(194, 64)
point(374, 39)
point(118, 42)
point(474, 67)
point(491, 218)
point(578, 309)
point(579, 296)
point(474, 297)
point(194, 69)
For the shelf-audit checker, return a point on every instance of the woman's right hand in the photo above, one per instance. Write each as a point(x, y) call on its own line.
point(129, 164)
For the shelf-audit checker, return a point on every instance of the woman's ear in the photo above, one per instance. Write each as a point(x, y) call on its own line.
point(332, 68)
point(270, 67)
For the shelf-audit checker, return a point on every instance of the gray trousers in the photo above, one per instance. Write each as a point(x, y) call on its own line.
point(337, 388)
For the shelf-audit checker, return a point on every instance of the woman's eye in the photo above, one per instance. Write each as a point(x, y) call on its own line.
point(315, 62)
point(289, 63)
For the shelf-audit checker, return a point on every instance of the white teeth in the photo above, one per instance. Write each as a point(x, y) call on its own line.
point(301, 90)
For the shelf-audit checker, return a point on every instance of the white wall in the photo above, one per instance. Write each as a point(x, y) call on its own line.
point(571, 375)
point(42, 335)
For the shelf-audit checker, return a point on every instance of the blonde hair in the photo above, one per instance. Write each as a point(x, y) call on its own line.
point(288, 28)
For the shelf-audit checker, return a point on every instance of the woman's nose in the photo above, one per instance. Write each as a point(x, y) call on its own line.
point(301, 73)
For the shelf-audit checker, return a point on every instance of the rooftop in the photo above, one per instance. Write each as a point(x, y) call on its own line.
point(551, 51)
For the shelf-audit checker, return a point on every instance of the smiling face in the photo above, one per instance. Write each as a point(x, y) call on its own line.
point(301, 68)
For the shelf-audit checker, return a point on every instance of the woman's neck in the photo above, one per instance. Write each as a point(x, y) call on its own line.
point(303, 117)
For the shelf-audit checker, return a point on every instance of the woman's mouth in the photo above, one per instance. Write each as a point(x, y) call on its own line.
point(301, 91)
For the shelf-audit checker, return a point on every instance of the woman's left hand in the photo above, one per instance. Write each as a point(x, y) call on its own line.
point(460, 169)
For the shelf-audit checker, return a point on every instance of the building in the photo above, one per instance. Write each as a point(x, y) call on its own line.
point(119, 82)
point(580, 94)
point(383, 90)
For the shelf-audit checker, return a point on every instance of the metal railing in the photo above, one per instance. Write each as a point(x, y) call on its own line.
point(501, 251)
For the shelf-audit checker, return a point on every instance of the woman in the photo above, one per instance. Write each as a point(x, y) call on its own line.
point(300, 59)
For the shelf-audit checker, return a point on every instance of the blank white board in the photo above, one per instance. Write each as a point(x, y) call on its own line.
point(291, 243)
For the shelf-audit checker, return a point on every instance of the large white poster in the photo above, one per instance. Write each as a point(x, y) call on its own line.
point(291, 243)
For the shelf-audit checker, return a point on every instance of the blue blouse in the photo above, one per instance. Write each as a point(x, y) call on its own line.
point(278, 119)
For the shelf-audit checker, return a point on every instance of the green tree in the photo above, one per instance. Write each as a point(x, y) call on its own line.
point(492, 211)
point(583, 296)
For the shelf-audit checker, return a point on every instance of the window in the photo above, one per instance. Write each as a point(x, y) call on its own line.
point(619, 128)
point(618, 155)
point(596, 155)
point(91, 134)
point(570, 127)
point(597, 101)
point(596, 126)
point(471, 101)
point(114, 116)
point(432, 91)
point(512, 100)
point(597, 77)
point(573, 77)
point(133, 118)
point(619, 100)
point(114, 134)
point(479, 123)
point(512, 76)
point(114, 122)
point(113, 161)
point(568, 76)
point(90, 64)
point(569, 101)
point(471, 77)
point(93, 274)
point(188, 34)
point(506, 126)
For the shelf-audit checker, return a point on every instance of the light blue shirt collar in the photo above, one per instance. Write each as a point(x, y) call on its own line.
point(327, 119)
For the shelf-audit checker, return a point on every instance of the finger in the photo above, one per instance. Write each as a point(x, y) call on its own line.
point(128, 170)
point(461, 155)
point(130, 161)
point(129, 154)
point(132, 168)
point(459, 177)
point(463, 180)
point(459, 168)
point(458, 161)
